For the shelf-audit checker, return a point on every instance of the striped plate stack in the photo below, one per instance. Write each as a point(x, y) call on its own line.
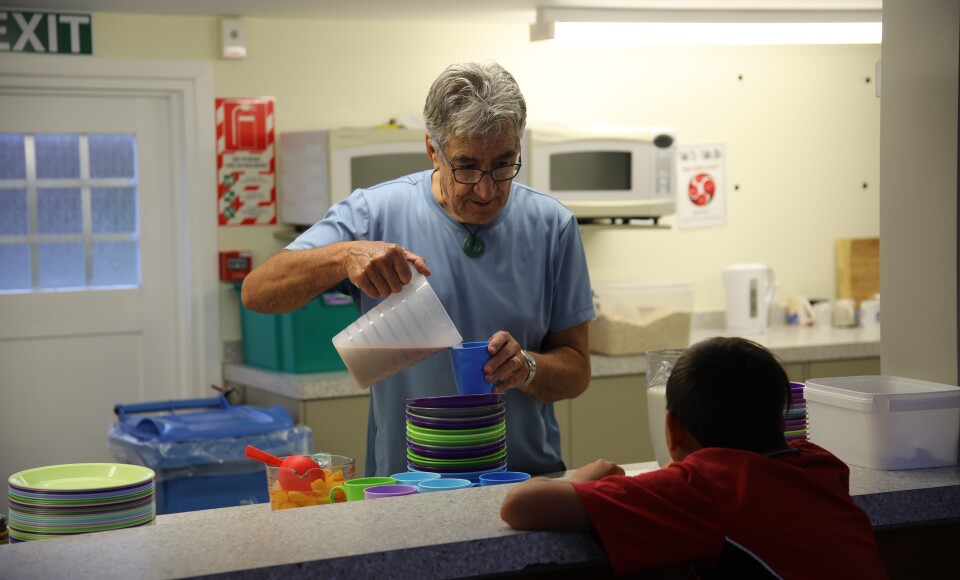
point(79, 498)
point(459, 436)
point(795, 418)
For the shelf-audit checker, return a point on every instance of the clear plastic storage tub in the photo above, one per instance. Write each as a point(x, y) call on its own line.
point(885, 422)
point(634, 317)
point(196, 447)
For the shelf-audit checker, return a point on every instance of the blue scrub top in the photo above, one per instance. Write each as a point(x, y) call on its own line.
point(531, 280)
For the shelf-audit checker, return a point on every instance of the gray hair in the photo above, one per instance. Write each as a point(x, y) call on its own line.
point(470, 100)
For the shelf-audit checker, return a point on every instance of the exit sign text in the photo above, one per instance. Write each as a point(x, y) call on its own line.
point(46, 32)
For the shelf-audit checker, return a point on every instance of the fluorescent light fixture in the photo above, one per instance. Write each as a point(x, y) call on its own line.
point(706, 27)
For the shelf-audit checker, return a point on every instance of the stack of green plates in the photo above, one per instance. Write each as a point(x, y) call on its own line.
point(79, 498)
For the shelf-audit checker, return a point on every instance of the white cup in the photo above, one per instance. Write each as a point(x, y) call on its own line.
point(845, 312)
point(799, 311)
point(823, 313)
point(869, 314)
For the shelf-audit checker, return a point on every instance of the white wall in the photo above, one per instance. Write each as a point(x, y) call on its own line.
point(800, 124)
point(918, 265)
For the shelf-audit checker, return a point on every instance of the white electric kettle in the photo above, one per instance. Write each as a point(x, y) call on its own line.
point(750, 289)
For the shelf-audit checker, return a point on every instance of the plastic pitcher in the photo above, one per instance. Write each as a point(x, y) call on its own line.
point(660, 364)
point(404, 329)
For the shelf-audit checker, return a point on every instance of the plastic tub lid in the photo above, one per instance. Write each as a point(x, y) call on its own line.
point(223, 420)
point(873, 393)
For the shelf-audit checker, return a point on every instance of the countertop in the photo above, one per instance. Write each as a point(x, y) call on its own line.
point(436, 535)
point(790, 343)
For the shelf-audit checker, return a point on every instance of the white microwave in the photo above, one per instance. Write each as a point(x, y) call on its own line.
point(616, 173)
point(319, 168)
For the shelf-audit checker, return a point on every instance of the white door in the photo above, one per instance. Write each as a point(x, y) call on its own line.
point(68, 355)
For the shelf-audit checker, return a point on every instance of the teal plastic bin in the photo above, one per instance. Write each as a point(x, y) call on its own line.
point(299, 341)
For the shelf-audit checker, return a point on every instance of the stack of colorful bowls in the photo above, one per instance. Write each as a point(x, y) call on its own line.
point(459, 436)
point(795, 418)
point(79, 498)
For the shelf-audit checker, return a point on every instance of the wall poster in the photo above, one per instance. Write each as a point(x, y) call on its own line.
point(701, 186)
point(246, 162)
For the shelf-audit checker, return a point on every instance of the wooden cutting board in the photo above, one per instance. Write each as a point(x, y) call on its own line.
point(858, 268)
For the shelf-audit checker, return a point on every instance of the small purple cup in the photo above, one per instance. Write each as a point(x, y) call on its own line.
point(390, 490)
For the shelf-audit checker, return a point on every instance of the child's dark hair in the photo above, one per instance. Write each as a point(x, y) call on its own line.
point(730, 392)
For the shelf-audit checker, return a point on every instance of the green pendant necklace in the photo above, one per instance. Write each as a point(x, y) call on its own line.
point(472, 246)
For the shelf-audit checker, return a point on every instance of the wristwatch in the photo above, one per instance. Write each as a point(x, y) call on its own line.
point(532, 365)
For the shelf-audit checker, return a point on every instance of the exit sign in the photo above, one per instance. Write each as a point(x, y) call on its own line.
point(46, 32)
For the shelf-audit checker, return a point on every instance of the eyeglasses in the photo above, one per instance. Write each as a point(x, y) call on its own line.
point(470, 176)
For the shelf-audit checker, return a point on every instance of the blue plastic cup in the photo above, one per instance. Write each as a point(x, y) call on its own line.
point(444, 484)
point(499, 477)
point(414, 477)
point(468, 359)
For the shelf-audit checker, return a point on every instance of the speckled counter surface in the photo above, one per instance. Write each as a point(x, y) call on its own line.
point(790, 343)
point(436, 535)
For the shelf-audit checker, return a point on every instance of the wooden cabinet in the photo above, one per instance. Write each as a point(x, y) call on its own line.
point(339, 425)
point(609, 421)
point(843, 368)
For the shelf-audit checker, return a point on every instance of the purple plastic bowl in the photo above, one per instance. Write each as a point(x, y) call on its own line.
point(455, 454)
point(454, 401)
point(446, 448)
point(489, 467)
point(454, 426)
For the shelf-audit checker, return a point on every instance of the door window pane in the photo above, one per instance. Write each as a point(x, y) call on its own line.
point(14, 267)
point(115, 264)
point(114, 209)
point(112, 156)
point(58, 156)
point(13, 164)
point(13, 212)
point(59, 211)
point(69, 212)
point(61, 266)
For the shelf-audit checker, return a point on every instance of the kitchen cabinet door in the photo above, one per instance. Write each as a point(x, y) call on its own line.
point(843, 368)
point(609, 421)
point(338, 426)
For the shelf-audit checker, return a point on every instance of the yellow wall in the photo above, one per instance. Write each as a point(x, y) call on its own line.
point(800, 125)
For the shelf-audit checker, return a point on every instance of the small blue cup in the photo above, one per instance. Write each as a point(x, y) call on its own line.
point(414, 477)
point(444, 484)
point(468, 360)
point(498, 477)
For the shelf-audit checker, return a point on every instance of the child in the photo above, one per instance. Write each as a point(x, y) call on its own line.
point(737, 501)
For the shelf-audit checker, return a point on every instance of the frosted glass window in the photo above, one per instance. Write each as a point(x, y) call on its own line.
point(112, 156)
point(113, 209)
point(58, 156)
point(14, 267)
point(61, 266)
point(59, 211)
point(13, 164)
point(13, 212)
point(69, 212)
point(115, 264)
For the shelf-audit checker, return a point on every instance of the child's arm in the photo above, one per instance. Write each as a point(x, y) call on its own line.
point(550, 504)
point(545, 504)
